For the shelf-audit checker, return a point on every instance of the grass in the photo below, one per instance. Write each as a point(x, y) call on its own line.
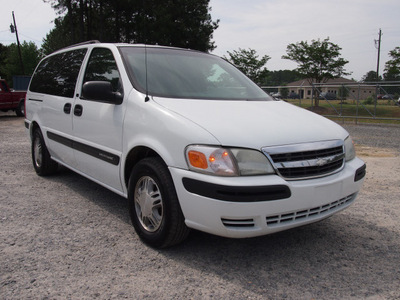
point(384, 112)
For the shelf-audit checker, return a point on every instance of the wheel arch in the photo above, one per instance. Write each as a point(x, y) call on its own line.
point(34, 125)
point(134, 156)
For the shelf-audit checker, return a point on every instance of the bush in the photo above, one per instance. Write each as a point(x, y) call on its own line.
point(369, 101)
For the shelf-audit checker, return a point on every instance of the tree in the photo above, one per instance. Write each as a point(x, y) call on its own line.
point(281, 77)
point(318, 61)
point(284, 92)
point(57, 38)
point(179, 23)
point(3, 55)
point(31, 56)
point(371, 77)
point(392, 66)
point(247, 61)
point(343, 93)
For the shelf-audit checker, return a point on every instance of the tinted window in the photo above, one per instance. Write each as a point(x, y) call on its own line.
point(177, 73)
point(3, 87)
point(57, 74)
point(102, 67)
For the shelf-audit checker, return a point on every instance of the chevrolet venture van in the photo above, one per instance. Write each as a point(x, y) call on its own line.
point(189, 140)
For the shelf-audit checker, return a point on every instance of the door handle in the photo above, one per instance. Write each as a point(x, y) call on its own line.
point(67, 108)
point(78, 110)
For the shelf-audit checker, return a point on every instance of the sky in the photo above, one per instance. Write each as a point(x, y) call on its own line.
point(267, 26)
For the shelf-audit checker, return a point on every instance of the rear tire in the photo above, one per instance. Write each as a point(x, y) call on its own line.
point(41, 159)
point(153, 205)
point(20, 110)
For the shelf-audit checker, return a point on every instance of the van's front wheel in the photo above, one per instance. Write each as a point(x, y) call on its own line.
point(153, 205)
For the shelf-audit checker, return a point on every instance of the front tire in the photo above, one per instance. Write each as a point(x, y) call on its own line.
point(153, 205)
point(41, 159)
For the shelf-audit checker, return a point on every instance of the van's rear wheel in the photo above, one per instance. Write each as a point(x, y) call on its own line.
point(153, 205)
point(41, 159)
point(20, 110)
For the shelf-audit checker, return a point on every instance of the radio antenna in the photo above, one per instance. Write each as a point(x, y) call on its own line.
point(146, 99)
point(145, 65)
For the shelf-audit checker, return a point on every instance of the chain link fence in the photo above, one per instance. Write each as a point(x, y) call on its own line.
point(358, 102)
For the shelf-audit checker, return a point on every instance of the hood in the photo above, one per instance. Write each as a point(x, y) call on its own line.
point(255, 124)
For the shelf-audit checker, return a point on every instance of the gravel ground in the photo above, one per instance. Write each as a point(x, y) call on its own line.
point(64, 237)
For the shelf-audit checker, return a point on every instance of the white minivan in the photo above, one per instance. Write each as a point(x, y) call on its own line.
point(189, 140)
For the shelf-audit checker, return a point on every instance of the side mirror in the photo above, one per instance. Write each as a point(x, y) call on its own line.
point(101, 91)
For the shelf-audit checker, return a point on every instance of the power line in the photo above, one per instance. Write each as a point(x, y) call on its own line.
point(31, 38)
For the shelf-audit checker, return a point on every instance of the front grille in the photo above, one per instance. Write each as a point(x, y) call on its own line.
point(303, 172)
point(304, 161)
point(303, 215)
point(306, 155)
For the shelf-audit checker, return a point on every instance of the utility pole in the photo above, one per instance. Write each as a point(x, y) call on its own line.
point(377, 68)
point(379, 53)
point(14, 29)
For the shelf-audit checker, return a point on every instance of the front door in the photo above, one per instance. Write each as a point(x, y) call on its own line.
point(98, 126)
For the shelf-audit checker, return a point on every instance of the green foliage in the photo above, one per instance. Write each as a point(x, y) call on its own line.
point(179, 23)
point(369, 101)
point(343, 93)
point(284, 92)
point(10, 61)
point(58, 37)
point(371, 76)
point(392, 70)
point(281, 77)
point(3, 55)
point(392, 66)
point(319, 60)
point(247, 61)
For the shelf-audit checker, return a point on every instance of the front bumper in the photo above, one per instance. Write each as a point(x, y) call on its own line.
point(239, 215)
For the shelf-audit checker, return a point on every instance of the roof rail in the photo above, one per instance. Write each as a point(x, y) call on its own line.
point(83, 43)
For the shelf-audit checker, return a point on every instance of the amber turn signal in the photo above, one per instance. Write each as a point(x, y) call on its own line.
point(197, 159)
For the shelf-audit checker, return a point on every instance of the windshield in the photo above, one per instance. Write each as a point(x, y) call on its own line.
point(176, 73)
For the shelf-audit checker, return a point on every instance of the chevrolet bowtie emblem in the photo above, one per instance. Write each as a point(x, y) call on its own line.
point(321, 162)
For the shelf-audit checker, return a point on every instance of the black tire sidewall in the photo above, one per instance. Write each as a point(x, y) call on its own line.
point(37, 138)
point(48, 166)
point(20, 109)
point(156, 169)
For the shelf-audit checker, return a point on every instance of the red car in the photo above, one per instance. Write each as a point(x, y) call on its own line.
point(11, 100)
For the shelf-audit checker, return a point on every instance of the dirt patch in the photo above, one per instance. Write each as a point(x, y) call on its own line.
point(368, 151)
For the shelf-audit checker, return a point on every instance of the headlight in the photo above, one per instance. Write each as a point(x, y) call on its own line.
point(227, 161)
point(349, 149)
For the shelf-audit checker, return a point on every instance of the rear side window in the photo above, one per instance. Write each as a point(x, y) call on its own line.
point(3, 87)
point(57, 74)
